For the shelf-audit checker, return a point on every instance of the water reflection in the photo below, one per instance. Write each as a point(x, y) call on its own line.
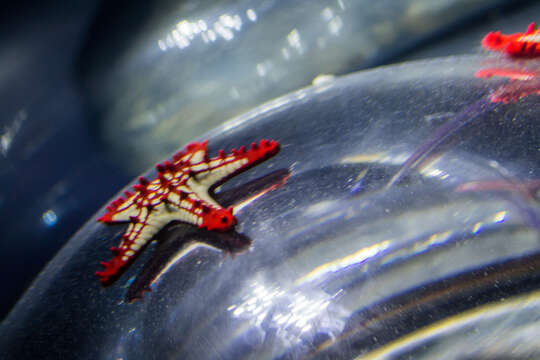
point(339, 264)
point(290, 313)
point(186, 31)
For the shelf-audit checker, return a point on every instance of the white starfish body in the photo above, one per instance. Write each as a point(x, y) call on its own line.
point(179, 193)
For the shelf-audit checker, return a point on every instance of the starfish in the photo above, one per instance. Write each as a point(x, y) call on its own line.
point(518, 45)
point(524, 75)
point(180, 192)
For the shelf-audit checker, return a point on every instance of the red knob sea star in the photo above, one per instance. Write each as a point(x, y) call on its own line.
point(519, 44)
point(524, 75)
point(524, 81)
point(181, 192)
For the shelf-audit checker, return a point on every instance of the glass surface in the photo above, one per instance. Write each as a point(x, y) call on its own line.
point(193, 64)
point(66, 147)
point(401, 219)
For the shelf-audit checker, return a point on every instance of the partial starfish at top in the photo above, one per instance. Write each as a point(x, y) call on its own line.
point(524, 74)
point(525, 44)
point(180, 192)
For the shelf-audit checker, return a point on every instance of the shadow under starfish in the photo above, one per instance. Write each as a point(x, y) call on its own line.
point(176, 239)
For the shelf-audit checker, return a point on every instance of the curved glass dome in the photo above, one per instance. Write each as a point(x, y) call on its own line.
point(400, 219)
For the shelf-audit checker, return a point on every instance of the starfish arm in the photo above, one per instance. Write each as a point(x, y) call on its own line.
point(532, 29)
point(495, 41)
point(199, 209)
point(141, 229)
point(123, 209)
point(525, 44)
point(223, 167)
point(120, 210)
point(186, 205)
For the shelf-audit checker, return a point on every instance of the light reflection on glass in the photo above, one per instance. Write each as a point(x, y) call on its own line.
point(169, 41)
point(251, 15)
point(499, 217)
point(442, 237)
point(433, 172)
point(290, 312)
point(261, 70)
point(211, 35)
point(335, 25)
point(178, 256)
point(185, 31)
point(269, 107)
point(429, 168)
point(495, 219)
point(10, 131)
point(162, 45)
point(223, 31)
point(418, 247)
point(202, 25)
point(327, 14)
point(49, 218)
point(477, 227)
point(180, 40)
point(294, 40)
point(379, 157)
point(339, 264)
point(435, 239)
point(233, 22)
point(188, 29)
point(285, 53)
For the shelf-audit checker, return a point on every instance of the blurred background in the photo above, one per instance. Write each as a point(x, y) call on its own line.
point(93, 94)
